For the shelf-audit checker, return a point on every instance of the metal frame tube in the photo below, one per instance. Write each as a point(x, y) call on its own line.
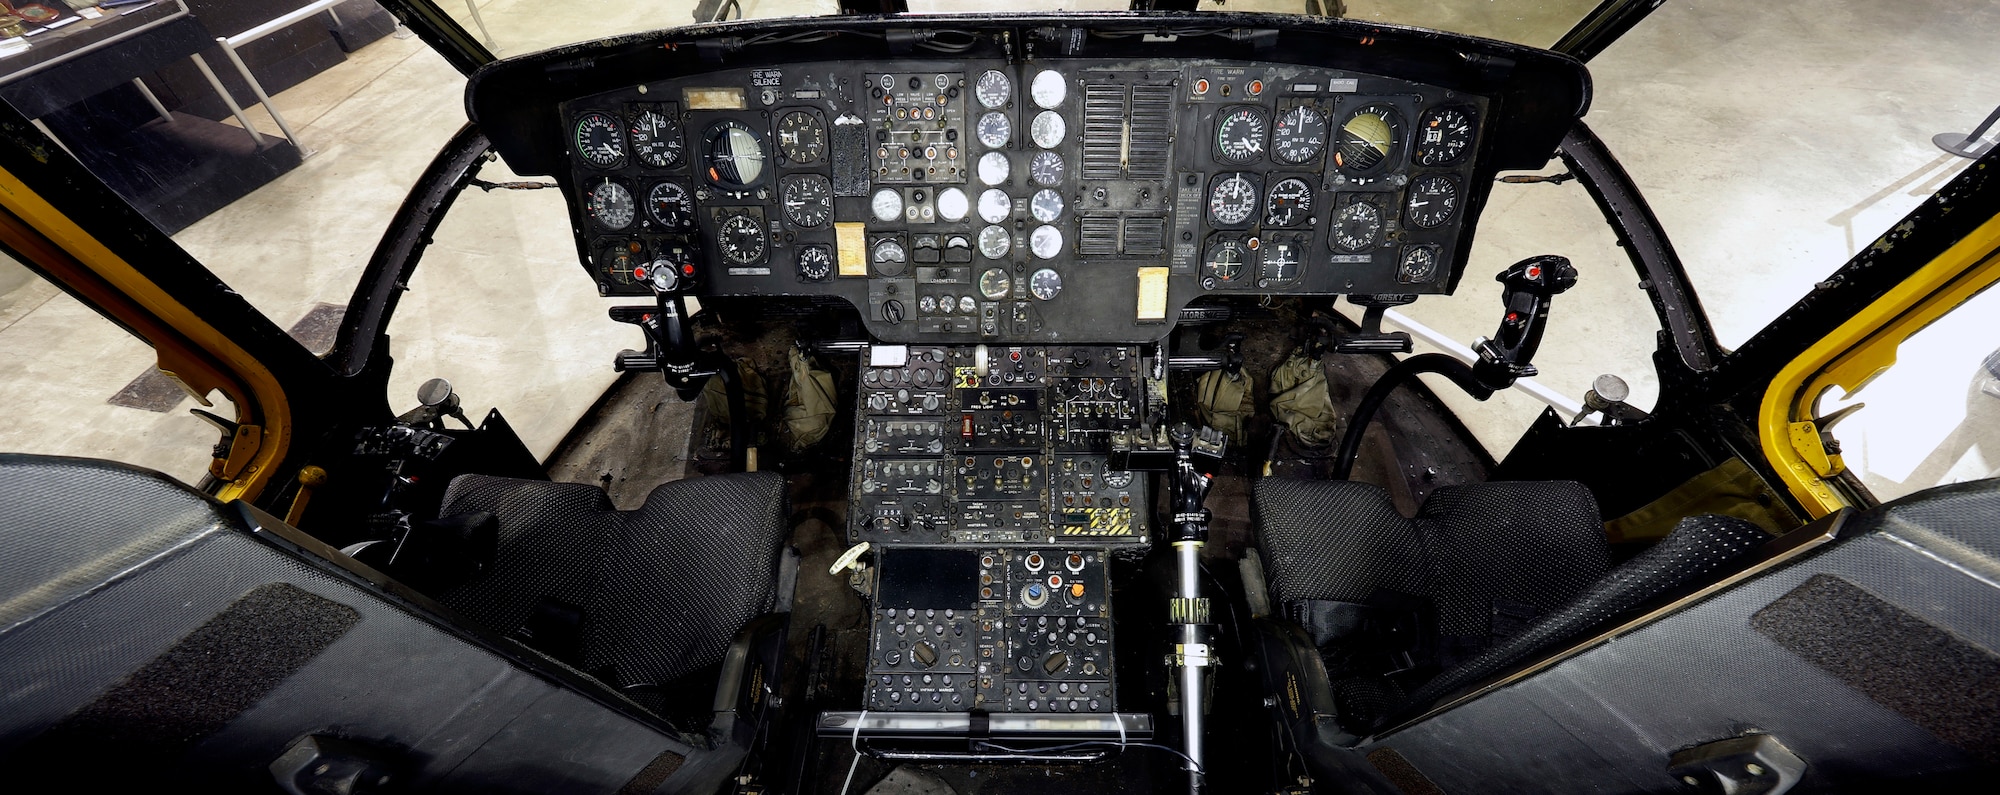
point(234, 109)
point(229, 49)
point(152, 100)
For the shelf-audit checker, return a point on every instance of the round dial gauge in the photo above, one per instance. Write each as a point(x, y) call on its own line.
point(741, 239)
point(656, 139)
point(1048, 129)
point(994, 168)
point(1046, 169)
point(1118, 479)
point(952, 204)
point(1232, 199)
point(1290, 203)
point(1300, 135)
point(994, 130)
point(1443, 134)
point(599, 140)
point(1432, 201)
point(1278, 262)
point(994, 206)
point(1223, 262)
point(1239, 135)
point(624, 263)
point(1358, 226)
point(1367, 138)
point(992, 89)
point(1045, 284)
point(610, 204)
point(801, 137)
point(1419, 264)
point(808, 201)
point(889, 256)
point(994, 242)
point(1045, 242)
point(994, 284)
point(1046, 206)
point(670, 205)
point(815, 263)
point(1048, 89)
point(733, 154)
point(887, 204)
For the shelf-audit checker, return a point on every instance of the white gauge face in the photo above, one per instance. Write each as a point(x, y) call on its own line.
point(1049, 89)
point(887, 204)
point(1045, 284)
point(992, 89)
point(994, 242)
point(994, 206)
point(966, 304)
point(611, 204)
point(994, 284)
point(1048, 129)
point(994, 130)
point(952, 204)
point(994, 168)
point(1232, 200)
point(1046, 242)
point(1046, 206)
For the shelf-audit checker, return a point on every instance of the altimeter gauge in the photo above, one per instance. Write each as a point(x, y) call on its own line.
point(610, 204)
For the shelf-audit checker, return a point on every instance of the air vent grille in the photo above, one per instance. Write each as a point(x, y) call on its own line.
point(1145, 236)
point(1103, 131)
point(1152, 132)
point(1099, 236)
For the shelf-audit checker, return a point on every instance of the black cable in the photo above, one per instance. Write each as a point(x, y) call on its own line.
point(1350, 442)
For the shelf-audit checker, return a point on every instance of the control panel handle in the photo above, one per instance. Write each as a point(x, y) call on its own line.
point(1527, 288)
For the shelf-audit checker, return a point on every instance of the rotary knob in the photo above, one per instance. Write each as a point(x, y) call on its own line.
point(924, 655)
point(930, 403)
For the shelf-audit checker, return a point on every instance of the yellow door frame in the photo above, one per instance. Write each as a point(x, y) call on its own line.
point(189, 350)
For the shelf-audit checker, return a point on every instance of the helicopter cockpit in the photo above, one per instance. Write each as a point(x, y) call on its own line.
point(1012, 515)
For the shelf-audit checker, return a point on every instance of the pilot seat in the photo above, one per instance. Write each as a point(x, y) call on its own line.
point(1408, 611)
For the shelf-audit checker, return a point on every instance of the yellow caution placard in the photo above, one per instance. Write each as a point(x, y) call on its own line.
point(852, 246)
point(1152, 295)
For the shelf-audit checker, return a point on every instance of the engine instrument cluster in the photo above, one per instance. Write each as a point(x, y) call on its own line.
point(1005, 201)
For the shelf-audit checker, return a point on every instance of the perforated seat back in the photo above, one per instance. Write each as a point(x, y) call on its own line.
point(663, 589)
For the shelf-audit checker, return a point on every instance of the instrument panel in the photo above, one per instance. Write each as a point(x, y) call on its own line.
point(995, 201)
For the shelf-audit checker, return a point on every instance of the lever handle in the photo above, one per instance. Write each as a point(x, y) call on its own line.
point(1527, 288)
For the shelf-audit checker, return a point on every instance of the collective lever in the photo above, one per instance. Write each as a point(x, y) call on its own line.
point(1192, 635)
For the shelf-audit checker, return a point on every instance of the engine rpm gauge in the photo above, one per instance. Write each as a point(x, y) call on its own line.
point(599, 140)
point(741, 239)
point(994, 242)
point(994, 130)
point(808, 200)
point(1357, 226)
point(1432, 201)
point(1367, 138)
point(1289, 203)
point(1299, 136)
point(1232, 199)
point(992, 89)
point(994, 284)
point(1442, 136)
point(801, 137)
point(1223, 262)
point(656, 139)
point(733, 155)
point(1046, 206)
point(1046, 169)
point(1045, 242)
point(1045, 284)
point(610, 204)
point(1239, 135)
point(670, 206)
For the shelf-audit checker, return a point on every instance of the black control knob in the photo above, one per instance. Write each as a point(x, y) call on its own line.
point(893, 312)
point(924, 655)
point(1055, 662)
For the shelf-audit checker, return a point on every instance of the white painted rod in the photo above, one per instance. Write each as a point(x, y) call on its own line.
point(1556, 400)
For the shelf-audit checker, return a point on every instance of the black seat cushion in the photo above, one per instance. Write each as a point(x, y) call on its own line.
point(661, 590)
point(1516, 548)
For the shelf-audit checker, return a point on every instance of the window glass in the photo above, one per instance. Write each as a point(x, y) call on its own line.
point(75, 384)
point(1776, 140)
point(1934, 417)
